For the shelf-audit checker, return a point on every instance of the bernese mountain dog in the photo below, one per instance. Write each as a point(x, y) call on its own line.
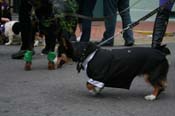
point(118, 67)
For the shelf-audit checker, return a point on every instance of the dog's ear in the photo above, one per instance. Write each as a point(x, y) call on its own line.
point(78, 48)
point(85, 48)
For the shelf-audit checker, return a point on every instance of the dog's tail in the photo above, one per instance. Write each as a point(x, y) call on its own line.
point(164, 49)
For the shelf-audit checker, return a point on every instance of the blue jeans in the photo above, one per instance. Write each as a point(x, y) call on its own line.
point(110, 9)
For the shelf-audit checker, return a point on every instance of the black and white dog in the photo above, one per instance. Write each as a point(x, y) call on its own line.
point(118, 67)
point(12, 30)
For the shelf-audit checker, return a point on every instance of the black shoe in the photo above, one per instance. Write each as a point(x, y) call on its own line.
point(129, 43)
point(45, 51)
point(18, 55)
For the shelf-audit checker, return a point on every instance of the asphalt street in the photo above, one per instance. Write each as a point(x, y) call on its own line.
point(62, 92)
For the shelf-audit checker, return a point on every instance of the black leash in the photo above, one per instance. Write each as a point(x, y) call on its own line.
point(101, 18)
point(130, 26)
point(95, 18)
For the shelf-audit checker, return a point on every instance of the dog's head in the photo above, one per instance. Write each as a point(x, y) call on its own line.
point(82, 49)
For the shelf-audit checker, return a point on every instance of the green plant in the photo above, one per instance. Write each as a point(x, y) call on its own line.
point(63, 14)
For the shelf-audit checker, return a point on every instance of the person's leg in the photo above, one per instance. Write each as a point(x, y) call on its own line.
point(123, 7)
point(50, 35)
point(160, 25)
point(26, 31)
point(110, 9)
point(87, 10)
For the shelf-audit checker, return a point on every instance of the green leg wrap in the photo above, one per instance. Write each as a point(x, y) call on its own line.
point(28, 56)
point(51, 56)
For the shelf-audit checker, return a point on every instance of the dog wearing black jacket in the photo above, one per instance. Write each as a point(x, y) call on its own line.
point(118, 67)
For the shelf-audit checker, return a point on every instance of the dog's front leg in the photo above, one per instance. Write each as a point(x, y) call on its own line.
point(154, 95)
point(62, 60)
point(10, 37)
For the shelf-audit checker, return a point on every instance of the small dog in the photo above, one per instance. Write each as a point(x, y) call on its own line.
point(12, 30)
point(118, 67)
point(39, 39)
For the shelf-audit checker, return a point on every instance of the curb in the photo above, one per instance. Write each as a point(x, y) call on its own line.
point(170, 34)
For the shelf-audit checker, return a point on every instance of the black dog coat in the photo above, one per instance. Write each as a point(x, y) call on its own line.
point(118, 67)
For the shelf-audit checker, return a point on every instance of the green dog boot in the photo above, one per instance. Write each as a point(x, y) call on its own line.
point(51, 58)
point(28, 60)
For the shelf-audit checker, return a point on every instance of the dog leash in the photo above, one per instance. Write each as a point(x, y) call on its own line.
point(130, 26)
point(101, 18)
point(91, 18)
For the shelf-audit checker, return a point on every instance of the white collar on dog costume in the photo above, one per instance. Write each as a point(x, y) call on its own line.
point(85, 64)
point(96, 83)
point(89, 58)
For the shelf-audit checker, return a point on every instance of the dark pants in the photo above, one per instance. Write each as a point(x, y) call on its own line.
point(160, 25)
point(26, 25)
point(86, 8)
point(27, 31)
point(110, 9)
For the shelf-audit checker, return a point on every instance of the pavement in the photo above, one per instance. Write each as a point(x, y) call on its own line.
point(62, 92)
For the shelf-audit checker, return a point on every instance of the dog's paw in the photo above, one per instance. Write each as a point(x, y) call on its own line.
point(150, 97)
point(92, 89)
point(36, 44)
point(92, 92)
point(7, 44)
point(95, 91)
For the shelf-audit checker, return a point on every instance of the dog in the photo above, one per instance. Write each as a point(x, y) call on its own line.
point(12, 30)
point(117, 68)
point(39, 39)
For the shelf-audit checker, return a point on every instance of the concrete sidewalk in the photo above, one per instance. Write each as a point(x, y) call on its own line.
point(142, 32)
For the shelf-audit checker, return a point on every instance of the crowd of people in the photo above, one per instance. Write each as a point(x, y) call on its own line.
point(47, 11)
